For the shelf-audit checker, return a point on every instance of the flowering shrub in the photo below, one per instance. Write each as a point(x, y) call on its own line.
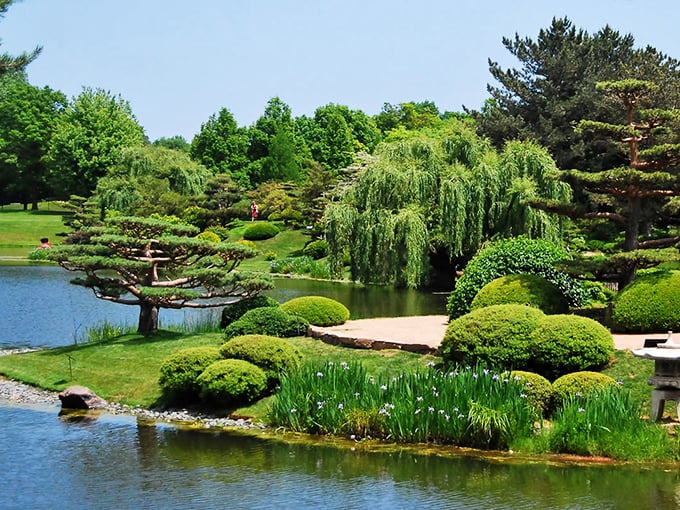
point(466, 407)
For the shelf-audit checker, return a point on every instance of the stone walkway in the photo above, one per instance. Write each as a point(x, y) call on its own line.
point(421, 333)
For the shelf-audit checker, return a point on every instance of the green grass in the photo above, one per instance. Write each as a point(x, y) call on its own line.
point(126, 369)
point(21, 231)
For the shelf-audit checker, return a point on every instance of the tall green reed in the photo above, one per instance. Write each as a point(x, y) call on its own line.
point(465, 407)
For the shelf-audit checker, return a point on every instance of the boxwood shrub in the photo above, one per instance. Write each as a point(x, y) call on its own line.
point(260, 230)
point(317, 310)
point(650, 304)
point(235, 311)
point(537, 388)
point(179, 371)
point(523, 289)
point(316, 249)
point(274, 355)
point(496, 336)
point(231, 382)
point(519, 255)
point(580, 384)
point(561, 344)
point(267, 321)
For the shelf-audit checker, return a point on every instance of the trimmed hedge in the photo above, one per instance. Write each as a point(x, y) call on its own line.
point(232, 382)
point(260, 230)
point(180, 370)
point(272, 354)
point(496, 336)
point(317, 310)
point(519, 255)
point(522, 289)
point(537, 388)
point(580, 384)
point(235, 311)
point(650, 304)
point(267, 321)
point(561, 344)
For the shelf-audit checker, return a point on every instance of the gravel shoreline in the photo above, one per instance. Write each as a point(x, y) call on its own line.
point(20, 393)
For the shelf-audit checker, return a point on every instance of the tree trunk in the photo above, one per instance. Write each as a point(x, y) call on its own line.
point(633, 225)
point(148, 318)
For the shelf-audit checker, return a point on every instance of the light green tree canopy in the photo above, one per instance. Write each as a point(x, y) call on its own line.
point(443, 190)
point(156, 264)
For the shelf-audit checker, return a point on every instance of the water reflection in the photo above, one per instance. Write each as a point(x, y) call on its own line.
point(119, 462)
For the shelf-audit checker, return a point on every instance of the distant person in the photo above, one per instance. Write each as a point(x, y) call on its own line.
point(45, 243)
point(254, 211)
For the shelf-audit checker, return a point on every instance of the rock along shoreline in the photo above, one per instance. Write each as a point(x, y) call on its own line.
point(20, 393)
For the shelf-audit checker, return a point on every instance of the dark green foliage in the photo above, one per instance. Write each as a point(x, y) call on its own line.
point(267, 321)
point(317, 310)
point(234, 311)
point(180, 371)
point(580, 384)
point(231, 382)
point(316, 249)
point(523, 289)
point(650, 304)
point(561, 344)
point(274, 355)
point(537, 388)
point(260, 230)
point(519, 255)
point(495, 336)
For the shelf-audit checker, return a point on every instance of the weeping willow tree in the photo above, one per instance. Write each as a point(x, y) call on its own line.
point(151, 179)
point(441, 191)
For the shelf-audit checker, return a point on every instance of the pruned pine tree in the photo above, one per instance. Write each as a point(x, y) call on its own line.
point(10, 63)
point(156, 264)
point(442, 191)
point(638, 197)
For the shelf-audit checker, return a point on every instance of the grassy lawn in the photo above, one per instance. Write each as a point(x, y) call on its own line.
point(126, 369)
point(21, 231)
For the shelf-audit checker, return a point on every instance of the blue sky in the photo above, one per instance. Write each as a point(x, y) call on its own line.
point(179, 62)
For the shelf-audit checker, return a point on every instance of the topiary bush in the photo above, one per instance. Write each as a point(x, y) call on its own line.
point(650, 304)
point(272, 354)
point(316, 249)
point(496, 336)
point(260, 230)
point(523, 289)
point(561, 344)
point(179, 371)
point(580, 384)
point(317, 310)
point(537, 388)
point(231, 382)
point(235, 311)
point(519, 255)
point(267, 321)
point(209, 236)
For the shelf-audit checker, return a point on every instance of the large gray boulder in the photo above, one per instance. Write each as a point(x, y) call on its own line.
point(80, 397)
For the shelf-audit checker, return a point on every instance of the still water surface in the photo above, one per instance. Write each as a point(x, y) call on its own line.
point(114, 462)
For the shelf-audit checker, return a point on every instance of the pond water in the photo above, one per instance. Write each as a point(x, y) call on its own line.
point(115, 462)
point(120, 462)
point(40, 308)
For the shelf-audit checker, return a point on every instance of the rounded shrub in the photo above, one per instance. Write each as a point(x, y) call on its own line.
point(650, 304)
point(180, 370)
point(537, 388)
point(267, 321)
point(260, 230)
point(234, 311)
point(317, 310)
point(272, 354)
point(561, 344)
point(522, 289)
point(209, 236)
point(316, 249)
point(519, 255)
point(496, 336)
point(232, 382)
point(580, 384)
